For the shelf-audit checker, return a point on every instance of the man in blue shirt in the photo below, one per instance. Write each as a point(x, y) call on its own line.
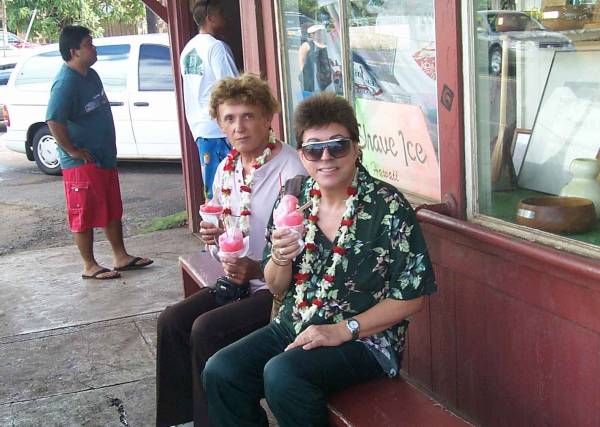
point(80, 119)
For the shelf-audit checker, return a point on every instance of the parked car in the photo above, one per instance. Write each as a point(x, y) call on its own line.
point(14, 41)
point(568, 15)
point(13, 47)
point(138, 79)
point(7, 65)
point(521, 29)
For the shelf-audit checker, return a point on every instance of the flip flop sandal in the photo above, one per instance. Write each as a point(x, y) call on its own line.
point(98, 273)
point(134, 264)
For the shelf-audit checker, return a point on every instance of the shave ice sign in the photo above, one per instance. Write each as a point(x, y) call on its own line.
point(397, 148)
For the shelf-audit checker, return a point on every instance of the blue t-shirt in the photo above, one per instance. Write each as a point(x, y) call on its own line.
point(79, 102)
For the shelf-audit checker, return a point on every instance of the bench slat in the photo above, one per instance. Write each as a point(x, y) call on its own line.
point(199, 270)
point(389, 403)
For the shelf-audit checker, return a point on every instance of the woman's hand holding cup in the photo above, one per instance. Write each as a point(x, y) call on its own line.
point(287, 243)
point(286, 239)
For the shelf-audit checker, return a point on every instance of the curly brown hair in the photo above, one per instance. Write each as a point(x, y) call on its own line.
point(321, 110)
point(246, 89)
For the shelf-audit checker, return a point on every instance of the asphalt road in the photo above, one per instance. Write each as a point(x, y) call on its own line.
point(32, 206)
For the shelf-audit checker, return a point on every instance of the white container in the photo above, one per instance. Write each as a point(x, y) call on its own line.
point(583, 182)
point(211, 217)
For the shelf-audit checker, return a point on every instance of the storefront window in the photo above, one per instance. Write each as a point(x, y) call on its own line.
point(392, 48)
point(537, 111)
point(310, 34)
point(389, 46)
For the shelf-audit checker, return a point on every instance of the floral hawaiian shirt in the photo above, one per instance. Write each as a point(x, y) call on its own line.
point(387, 259)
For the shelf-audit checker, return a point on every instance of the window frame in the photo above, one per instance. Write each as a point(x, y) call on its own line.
point(449, 85)
point(471, 158)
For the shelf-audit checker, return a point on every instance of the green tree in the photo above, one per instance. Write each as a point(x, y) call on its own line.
point(307, 7)
point(53, 15)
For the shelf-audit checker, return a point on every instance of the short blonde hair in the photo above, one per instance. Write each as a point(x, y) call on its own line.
point(246, 89)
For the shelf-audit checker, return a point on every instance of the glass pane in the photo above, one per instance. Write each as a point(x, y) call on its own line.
point(392, 46)
point(537, 111)
point(155, 72)
point(311, 38)
point(112, 66)
point(5, 75)
point(38, 72)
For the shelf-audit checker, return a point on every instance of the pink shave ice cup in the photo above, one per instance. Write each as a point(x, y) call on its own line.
point(291, 219)
point(232, 243)
point(287, 215)
point(211, 213)
point(211, 209)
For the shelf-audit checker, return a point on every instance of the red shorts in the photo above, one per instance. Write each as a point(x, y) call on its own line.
point(93, 196)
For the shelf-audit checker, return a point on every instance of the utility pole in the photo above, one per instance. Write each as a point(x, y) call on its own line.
point(30, 23)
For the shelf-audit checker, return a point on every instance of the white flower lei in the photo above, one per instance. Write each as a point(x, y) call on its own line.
point(344, 236)
point(246, 188)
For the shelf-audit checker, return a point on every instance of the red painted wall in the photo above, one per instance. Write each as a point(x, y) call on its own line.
point(507, 340)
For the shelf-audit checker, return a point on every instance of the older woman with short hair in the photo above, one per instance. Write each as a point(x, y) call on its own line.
point(246, 184)
point(348, 290)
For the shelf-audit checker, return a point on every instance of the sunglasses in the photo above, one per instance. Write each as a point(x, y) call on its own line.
point(337, 148)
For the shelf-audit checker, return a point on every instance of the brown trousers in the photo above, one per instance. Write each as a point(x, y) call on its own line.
point(188, 333)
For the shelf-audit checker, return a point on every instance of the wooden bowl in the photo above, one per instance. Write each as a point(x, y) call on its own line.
point(556, 214)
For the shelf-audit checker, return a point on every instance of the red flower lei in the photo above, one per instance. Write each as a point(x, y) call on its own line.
point(303, 308)
point(246, 188)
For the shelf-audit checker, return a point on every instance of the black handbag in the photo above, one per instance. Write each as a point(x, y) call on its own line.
point(226, 291)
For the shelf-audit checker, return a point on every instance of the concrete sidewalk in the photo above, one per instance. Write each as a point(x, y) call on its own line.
point(79, 352)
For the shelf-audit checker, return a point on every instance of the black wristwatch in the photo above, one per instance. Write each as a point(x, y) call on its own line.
point(354, 327)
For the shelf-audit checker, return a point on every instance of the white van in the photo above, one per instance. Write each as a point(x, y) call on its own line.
point(138, 79)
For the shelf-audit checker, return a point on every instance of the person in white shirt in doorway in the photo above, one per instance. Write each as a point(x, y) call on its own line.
point(206, 59)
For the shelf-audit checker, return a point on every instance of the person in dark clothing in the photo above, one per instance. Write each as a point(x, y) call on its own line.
point(316, 73)
point(348, 288)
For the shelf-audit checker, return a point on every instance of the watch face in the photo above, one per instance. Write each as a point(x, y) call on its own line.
point(353, 324)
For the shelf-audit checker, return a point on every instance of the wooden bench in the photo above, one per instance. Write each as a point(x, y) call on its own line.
point(382, 403)
point(389, 402)
point(199, 270)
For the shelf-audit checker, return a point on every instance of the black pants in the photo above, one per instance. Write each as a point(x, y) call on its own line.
point(190, 332)
point(296, 383)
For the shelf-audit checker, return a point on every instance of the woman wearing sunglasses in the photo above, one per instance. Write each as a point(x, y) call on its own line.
point(362, 271)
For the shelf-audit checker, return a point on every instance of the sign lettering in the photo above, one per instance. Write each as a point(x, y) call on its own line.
point(397, 148)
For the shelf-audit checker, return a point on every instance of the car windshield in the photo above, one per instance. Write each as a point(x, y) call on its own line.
point(505, 22)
